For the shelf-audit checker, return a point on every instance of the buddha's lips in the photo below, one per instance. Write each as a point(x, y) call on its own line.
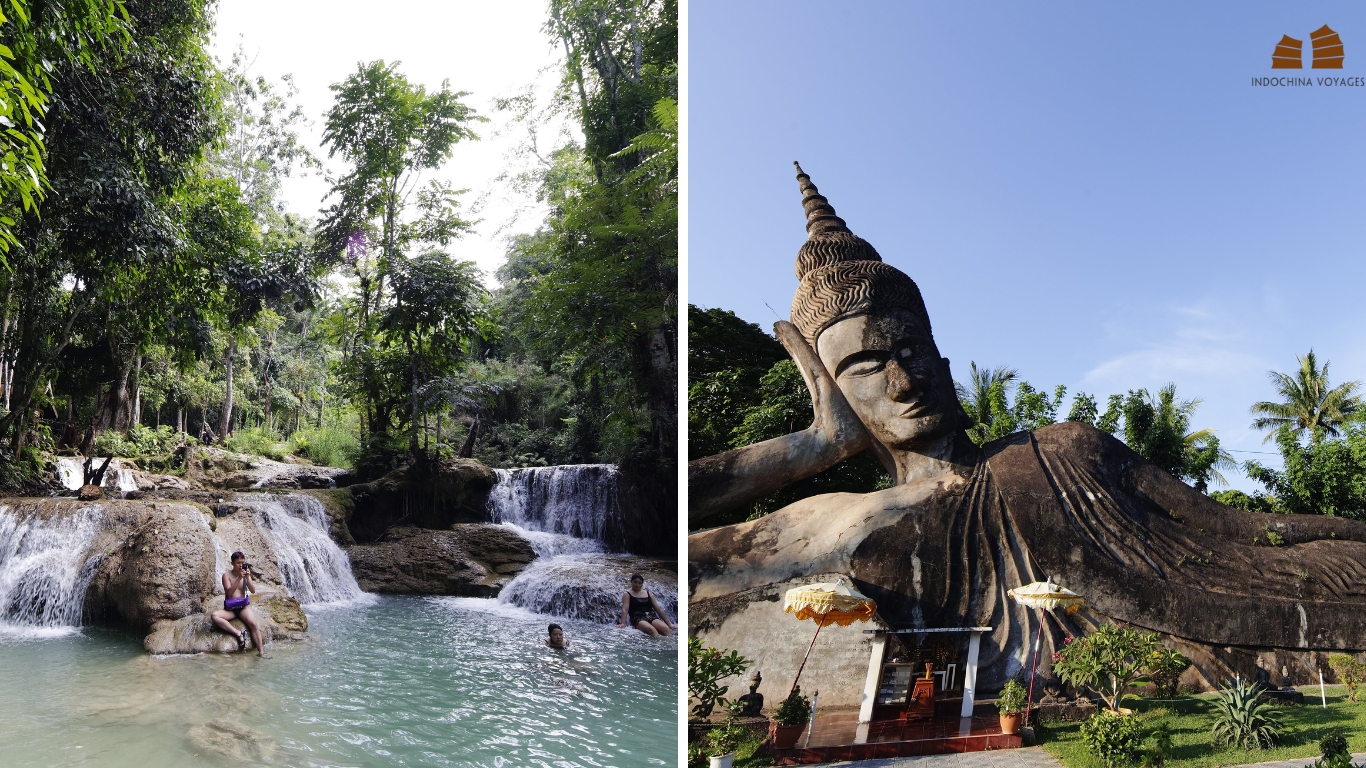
point(915, 410)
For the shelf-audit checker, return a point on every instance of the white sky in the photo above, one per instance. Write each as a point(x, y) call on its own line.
point(491, 49)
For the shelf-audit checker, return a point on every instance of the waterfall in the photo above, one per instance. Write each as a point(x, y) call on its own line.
point(581, 500)
point(43, 569)
point(295, 526)
point(71, 471)
point(584, 586)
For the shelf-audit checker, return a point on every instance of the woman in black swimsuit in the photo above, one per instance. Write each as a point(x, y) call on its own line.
point(639, 609)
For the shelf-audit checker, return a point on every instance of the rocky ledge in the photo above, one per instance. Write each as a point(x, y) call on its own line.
point(216, 468)
point(466, 560)
point(279, 616)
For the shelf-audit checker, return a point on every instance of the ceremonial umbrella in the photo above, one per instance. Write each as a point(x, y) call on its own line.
point(835, 603)
point(1044, 595)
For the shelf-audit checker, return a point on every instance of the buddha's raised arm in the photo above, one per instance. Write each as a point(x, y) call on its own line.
point(737, 477)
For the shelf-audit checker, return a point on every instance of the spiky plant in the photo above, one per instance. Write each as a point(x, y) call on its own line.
point(1242, 721)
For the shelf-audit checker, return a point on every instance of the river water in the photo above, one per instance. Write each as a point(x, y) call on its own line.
point(400, 681)
point(428, 681)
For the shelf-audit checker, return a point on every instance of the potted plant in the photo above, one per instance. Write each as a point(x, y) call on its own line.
point(1010, 703)
point(792, 716)
point(724, 739)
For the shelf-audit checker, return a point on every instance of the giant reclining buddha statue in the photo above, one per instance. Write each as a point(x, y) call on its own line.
point(962, 524)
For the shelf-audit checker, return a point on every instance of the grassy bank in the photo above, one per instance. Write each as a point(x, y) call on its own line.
point(1191, 719)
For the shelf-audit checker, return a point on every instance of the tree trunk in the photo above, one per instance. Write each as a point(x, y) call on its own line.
point(467, 448)
point(137, 391)
point(270, 412)
point(225, 421)
point(117, 410)
point(412, 430)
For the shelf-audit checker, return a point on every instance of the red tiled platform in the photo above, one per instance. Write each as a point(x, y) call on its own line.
point(833, 736)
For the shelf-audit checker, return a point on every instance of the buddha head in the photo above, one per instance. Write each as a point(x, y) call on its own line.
point(867, 322)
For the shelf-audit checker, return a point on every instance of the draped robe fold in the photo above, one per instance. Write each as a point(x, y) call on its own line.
point(1066, 501)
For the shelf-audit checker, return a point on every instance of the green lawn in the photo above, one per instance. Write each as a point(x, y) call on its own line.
point(1191, 719)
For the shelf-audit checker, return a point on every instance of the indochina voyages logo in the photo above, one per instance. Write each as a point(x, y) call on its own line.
point(1327, 53)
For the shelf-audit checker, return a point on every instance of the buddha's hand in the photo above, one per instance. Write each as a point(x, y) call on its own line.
point(835, 424)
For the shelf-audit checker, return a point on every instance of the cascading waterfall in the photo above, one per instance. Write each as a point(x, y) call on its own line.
point(314, 569)
point(43, 569)
point(71, 471)
point(573, 518)
point(580, 500)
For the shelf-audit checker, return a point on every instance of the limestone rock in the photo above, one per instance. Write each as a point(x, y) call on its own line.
point(340, 506)
point(456, 491)
point(156, 562)
point(280, 618)
point(470, 560)
point(90, 493)
point(216, 468)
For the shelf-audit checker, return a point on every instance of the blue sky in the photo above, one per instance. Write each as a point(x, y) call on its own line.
point(1092, 193)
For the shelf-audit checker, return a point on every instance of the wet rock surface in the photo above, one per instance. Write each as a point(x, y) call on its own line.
point(435, 497)
point(279, 616)
point(153, 561)
point(216, 468)
point(590, 586)
point(467, 560)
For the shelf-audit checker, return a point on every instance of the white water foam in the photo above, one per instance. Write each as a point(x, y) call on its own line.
point(44, 572)
point(71, 471)
point(314, 569)
point(572, 517)
point(580, 500)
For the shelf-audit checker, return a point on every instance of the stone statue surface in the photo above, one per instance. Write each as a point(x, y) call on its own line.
point(753, 701)
point(963, 524)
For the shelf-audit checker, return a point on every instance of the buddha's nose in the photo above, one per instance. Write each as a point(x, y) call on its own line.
point(902, 384)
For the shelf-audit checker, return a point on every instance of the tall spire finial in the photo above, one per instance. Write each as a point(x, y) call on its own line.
point(820, 215)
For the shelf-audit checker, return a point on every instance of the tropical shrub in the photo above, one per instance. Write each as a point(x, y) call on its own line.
point(697, 754)
point(1108, 661)
point(1164, 669)
point(1242, 721)
point(1335, 754)
point(795, 710)
point(1113, 738)
point(707, 667)
point(1162, 747)
point(256, 441)
point(1350, 672)
point(1011, 698)
point(330, 446)
point(725, 738)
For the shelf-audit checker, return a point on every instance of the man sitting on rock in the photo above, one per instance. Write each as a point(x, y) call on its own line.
point(556, 639)
point(236, 605)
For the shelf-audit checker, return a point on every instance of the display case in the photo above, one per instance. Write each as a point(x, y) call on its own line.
point(895, 688)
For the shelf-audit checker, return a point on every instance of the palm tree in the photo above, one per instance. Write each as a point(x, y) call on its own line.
point(976, 396)
point(1197, 443)
point(1307, 402)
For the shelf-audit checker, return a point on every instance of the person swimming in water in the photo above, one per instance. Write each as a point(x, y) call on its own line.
point(236, 604)
point(556, 639)
point(641, 610)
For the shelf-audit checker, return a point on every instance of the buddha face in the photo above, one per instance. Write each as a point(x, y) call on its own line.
point(890, 371)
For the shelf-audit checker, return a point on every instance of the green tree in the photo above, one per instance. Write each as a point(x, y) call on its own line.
point(437, 309)
point(727, 357)
point(1308, 402)
point(1157, 427)
point(33, 37)
point(1323, 477)
point(983, 399)
point(390, 130)
point(122, 137)
point(986, 399)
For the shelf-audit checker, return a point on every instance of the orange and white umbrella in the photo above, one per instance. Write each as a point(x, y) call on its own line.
point(826, 602)
point(1044, 595)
